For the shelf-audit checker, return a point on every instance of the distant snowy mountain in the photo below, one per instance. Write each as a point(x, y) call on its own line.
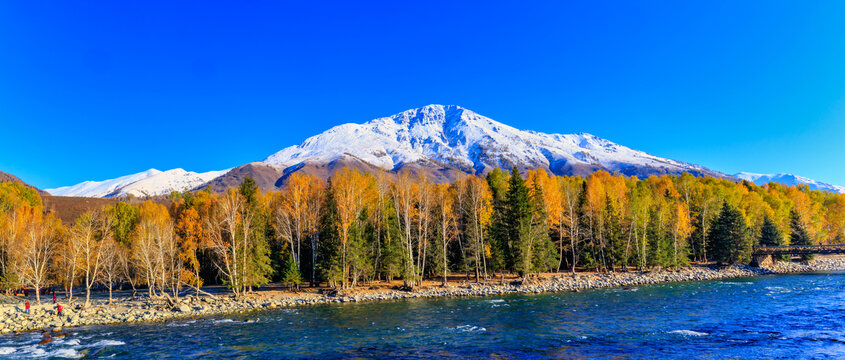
point(148, 183)
point(789, 179)
point(472, 143)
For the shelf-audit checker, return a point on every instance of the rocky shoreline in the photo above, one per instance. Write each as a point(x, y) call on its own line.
point(126, 310)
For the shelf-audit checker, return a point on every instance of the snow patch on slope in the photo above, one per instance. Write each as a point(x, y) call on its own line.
point(101, 188)
point(148, 183)
point(790, 180)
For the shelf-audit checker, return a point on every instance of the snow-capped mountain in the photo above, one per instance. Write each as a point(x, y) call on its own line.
point(437, 141)
point(472, 143)
point(148, 183)
point(789, 180)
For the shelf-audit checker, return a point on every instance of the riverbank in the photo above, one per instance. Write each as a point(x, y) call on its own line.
point(127, 309)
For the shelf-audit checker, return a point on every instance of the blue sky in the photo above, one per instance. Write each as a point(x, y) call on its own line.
point(96, 90)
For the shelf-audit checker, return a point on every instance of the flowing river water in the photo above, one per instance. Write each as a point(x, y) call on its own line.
point(772, 317)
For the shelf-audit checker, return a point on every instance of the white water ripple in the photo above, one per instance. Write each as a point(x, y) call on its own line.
point(689, 333)
point(470, 328)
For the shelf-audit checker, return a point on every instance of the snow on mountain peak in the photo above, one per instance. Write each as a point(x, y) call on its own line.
point(148, 183)
point(473, 143)
point(789, 180)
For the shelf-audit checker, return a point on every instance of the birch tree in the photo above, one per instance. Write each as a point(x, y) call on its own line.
point(35, 252)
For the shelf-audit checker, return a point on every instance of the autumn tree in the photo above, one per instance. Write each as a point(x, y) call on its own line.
point(88, 233)
point(33, 255)
point(479, 210)
point(191, 237)
point(445, 222)
point(352, 190)
point(12, 225)
point(405, 195)
point(154, 249)
point(71, 247)
point(681, 228)
point(112, 260)
point(291, 213)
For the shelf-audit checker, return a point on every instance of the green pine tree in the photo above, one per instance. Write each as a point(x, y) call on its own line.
point(329, 267)
point(613, 234)
point(587, 252)
point(498, 235)
point(730, 240)
point(798, 233)
point(291, 274)
point(518, 217)
point(543, 250)
point(770, 235)
point(259, 269)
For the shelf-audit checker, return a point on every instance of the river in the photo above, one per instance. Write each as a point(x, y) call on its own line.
point(784, 316)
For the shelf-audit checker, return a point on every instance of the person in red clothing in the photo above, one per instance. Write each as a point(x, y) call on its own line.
point(59, 309)
point(54, 298)
point(27, 307)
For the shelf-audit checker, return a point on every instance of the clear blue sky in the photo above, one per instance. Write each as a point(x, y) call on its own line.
point(96, 90)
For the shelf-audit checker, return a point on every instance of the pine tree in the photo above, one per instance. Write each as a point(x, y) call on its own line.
point(543, 250)
point(257, 268)
point(770, 235)
point(586, 251)
point(329, 267)
point(291, 274)
point(730, 240)
point(501, 254)
point(518, 218)
point(613, 234)
point(798, 233)
point(391, 246)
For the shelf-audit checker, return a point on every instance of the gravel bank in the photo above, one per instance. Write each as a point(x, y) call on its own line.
point(43, 317)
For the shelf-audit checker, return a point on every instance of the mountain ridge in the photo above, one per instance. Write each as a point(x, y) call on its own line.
point(6, 177)
point(441, 142)
point(473, 143)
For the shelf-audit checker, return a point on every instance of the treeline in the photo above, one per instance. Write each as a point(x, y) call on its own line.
point(360, 227)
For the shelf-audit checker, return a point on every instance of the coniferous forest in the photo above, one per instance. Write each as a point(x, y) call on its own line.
point(360, 227)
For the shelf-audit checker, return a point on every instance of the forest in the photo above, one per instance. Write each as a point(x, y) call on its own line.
point(358, 227)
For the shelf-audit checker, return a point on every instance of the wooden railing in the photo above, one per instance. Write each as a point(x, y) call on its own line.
point(800, 249)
